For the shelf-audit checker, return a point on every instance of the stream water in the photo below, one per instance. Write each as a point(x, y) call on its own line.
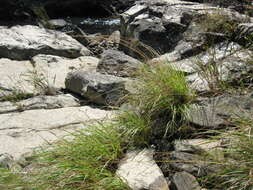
point(104, 26)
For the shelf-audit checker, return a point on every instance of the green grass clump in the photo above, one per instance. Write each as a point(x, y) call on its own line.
point(88, 161)
point(236, 171)
point(162, 92)
point(16, 96)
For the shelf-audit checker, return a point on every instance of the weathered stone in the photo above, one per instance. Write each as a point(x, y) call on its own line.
point(117, 63)
point(24, 42)
point(194, 145)
point(6, 161)
point(214, 112)
point(167, 25)
point(13, 76)
point(182, 161)
point(139, 171)
point(185, 181)
point(23, 132)
point(96, 87)
point(55, 69)
point(40, 102)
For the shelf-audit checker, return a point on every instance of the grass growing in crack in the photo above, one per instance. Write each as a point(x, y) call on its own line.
point(236, 171)
point(161, 92)
point(16, 96)
point(86, 162)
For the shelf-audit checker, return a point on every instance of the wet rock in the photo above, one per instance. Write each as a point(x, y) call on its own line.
point(185, 181)
point(54, 69)
point(22, 132)
point(24, 42)
point(97, 88)
point(40, 102)
point(117, 63)
point(139, 171)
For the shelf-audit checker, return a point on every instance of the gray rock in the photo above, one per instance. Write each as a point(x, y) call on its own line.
point(40, 102)
point(6, 161)
point(182, 161)
point(195, 145)
point(214, 112)
point(164, 25)
point(139, 171)
point(185, 181)
point(24, 42)
point(97, 88)
point(13, 76)
point(23, 132)
point(55, 69)
point(117, 63)
point(57, 23)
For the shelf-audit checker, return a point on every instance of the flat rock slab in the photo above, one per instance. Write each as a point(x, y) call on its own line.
point(55, 68)
point(22, 132)
point(40, 102)
point(140, 171)
point(13, 76)
point(24, 42)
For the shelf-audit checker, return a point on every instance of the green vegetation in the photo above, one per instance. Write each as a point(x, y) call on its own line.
point(16, 96)
point(86, 162)
point(162, 92)
point(236, 170)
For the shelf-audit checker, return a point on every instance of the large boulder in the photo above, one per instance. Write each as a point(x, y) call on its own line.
point(24, 42)
point(117, 63)
point(97, 88)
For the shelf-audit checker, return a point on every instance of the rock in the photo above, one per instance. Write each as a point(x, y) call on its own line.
point(6, 161)
point(23, 132)
point(40, 102)
point(215, 112)
point(194, 145)
point(185, 181)
point(117, 63)
point(13, 77)
point(182, 161)
point(55, 69)
point(139, 171)
point(24, 42)
point(97, 88)
point(167, 25)
point(58, 23)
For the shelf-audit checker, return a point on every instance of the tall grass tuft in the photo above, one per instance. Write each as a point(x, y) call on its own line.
point(161, 92)
point(236, 170)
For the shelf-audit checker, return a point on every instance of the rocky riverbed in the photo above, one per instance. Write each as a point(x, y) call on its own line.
point(58, 76)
